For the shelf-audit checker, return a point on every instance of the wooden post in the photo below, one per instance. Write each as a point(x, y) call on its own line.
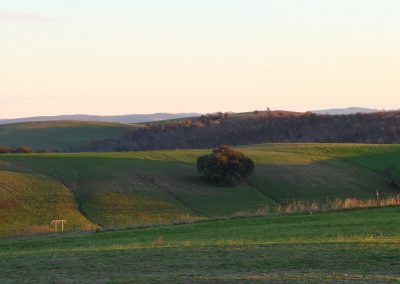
point(57, 222)
point(62, 225)
point(377, 198)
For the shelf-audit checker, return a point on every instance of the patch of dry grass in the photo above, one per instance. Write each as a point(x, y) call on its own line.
point(302, 206)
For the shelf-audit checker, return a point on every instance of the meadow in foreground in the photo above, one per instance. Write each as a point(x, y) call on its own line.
point(347, 246)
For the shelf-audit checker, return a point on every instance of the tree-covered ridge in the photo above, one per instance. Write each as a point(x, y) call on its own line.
point(257, 127)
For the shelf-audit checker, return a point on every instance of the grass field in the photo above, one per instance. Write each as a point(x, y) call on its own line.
point(357, 246)
point(162, 187)
point(58, 135)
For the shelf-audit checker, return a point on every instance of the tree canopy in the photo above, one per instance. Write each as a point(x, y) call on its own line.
point(225, 166)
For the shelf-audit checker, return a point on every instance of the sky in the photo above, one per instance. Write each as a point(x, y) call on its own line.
point(132, 56)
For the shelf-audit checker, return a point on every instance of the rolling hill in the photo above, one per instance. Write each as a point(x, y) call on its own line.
point(58, 135)
point(159, 187)
point(204, 132)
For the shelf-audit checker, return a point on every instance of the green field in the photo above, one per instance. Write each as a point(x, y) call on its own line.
point(93, 190)
point(58, 135)
point(354, 246)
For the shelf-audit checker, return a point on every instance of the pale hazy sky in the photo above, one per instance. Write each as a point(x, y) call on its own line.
point(144, 56)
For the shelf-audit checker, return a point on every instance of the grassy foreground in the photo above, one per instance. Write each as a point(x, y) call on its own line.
point(93, 190)
point(349, 246)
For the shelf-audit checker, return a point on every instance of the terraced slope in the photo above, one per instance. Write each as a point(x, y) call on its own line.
point(58, 135)
point(121, 189)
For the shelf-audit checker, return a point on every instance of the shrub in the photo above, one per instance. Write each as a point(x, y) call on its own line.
point(5, 150)
point(15, 150)
point(22, 150)
point(225, 166)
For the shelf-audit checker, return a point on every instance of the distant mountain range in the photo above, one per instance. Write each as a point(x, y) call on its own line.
point(130, 118)
point(350, 110)
point(142, 118)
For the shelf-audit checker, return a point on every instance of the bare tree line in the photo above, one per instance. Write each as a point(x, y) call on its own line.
point(258, 127)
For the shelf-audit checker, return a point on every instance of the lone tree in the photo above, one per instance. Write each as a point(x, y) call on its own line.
point(225, 166)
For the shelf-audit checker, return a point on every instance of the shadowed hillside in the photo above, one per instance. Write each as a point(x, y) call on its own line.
point(58, 135)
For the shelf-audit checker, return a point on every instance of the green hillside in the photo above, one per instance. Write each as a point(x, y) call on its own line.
point(155, 187)
point(58, 135)
point(29, 202)
point(356, 246)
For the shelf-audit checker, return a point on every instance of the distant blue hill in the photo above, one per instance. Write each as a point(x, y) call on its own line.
point(130, 118)
point(350, 110)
